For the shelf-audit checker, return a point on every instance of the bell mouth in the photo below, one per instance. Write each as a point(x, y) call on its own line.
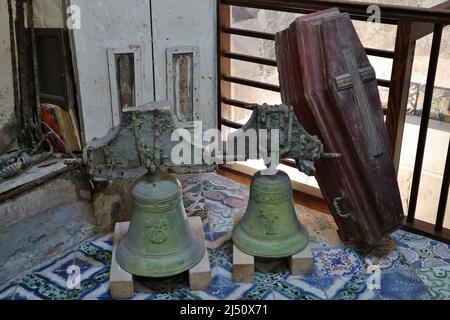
point(269, 248)
point(160, 266)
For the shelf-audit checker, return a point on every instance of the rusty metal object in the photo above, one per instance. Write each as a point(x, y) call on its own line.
point(15, 162)
point(294, 141)
point(141, 142)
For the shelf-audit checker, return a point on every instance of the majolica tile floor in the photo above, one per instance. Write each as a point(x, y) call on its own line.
point(409, 266)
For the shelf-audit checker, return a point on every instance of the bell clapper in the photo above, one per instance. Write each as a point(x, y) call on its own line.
point(151, 167)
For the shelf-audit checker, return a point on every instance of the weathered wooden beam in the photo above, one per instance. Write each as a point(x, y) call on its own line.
point(399, 91)
point(14, 63)
point(423, 29)
point(29, 133)
point(35, 108)
point(357, 10)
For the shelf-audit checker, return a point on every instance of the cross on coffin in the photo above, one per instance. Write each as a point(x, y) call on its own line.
point(355, 79)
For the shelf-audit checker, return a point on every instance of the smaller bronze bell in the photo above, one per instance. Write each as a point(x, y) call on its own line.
point(159, 242)
point(270, 227)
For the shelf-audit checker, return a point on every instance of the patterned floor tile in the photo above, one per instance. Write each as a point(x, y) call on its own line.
point(105, 242)
point(94, 254)
point(221, 219)
point(92, 284)
point(402, 285)
point(222, 256)
point(183, 294)
point(300, 288)
point(99, 250)
point(437, 281)
point(242, 291)
point(36, 286)
point(421, 252)
point(194, 203)
point(397, 235)
point(7, 292)
point(101, 292)
point(209, 294)
point(321, 228)
point(59, 264)
point(222, 277)
point(82, 260)
point(337, 262)
point(27, 294)
point(349, 288)
point(385, 256)
point(219, 238)
point(262, 288)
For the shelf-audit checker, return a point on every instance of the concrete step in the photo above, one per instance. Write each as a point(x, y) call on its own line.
point(41, 221)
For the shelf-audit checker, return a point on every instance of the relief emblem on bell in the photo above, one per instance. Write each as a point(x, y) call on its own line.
point(270, 217)
point(270, 227)
point(157, 231)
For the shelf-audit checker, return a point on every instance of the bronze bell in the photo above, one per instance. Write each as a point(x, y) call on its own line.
point(270, 227)
point(159, 242)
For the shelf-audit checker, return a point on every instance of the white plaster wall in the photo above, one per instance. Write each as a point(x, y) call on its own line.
point(49, 13)
point(108, 24)
point(6, 77)
point(188, 23)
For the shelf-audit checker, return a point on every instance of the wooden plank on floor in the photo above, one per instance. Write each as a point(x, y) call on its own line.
point(200, 275)
point(120, 281)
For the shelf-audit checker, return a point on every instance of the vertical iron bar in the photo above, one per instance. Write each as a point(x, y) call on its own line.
point(224, 64)
point(37, 102)
point(429, 89)
point(444, 194)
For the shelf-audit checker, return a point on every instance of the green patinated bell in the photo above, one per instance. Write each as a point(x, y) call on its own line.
point(159, 242)
point(270, 227)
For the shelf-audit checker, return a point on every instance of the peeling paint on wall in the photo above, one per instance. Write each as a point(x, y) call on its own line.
point(108, 24)
point(6, 78)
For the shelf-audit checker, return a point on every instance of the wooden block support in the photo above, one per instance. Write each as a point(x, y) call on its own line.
point(243, 264)
point(200, 275)
point(120, 282)
point(302, 263)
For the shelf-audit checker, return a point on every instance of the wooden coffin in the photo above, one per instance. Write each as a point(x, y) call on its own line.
point(326, 76)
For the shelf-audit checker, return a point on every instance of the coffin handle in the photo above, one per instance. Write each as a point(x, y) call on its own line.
point(337, 203)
